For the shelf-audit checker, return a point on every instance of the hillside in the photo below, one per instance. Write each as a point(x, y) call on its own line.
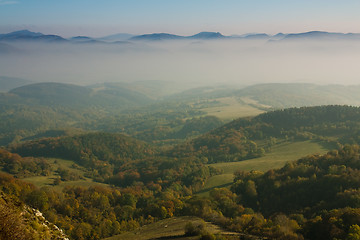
point(69, 95)
point(285, 95)
point(33, 109)
point(315, 197)
point(306, 185)
point(323, 188)
point(173, 228)
point(252, 137)
point(108, 184)
point(20, 221)
point(153, 111)
point(117, 159)
point(87, 149)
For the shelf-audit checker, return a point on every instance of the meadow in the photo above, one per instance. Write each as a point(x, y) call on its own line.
point(171, 228)
point(281, 154)
point(232, 108)
point(56, 163)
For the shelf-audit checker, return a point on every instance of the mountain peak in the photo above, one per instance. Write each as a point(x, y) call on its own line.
point(24, 33)
point(208, 35)
point(156, 36)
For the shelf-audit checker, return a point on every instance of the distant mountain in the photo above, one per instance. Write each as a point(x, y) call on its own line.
point(22, 33)
point(313, 35)
point(8, 83)
point(207, 35)
point(319, 35)
point(257, 36)
point(49, 38)
point(25, 35)
point(81, 38)
point(157, 36)
point(116, 37)
point(278, 36)
point(167, 36)
point(86, 40)
point(120, 38)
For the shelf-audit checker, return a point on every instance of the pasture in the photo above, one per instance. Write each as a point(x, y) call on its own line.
point(277, 158)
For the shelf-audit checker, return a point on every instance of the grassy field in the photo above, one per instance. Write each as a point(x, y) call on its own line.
point(43, 181)
point(280, 154)
point(233, 109)
point(171, 228)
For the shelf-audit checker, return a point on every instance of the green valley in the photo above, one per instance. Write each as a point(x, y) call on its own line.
point(102, 167)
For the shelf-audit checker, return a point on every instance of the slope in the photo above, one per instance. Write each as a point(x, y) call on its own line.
point(32, 109)
point(248, 138)
point(284, 95)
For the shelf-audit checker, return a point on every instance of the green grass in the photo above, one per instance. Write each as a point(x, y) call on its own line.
point(232, 109)
point(280, 154)
point(171, 228)
point(43, 181)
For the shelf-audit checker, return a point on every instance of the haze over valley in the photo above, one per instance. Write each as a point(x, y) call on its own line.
point(188, 120)
point(199, 60)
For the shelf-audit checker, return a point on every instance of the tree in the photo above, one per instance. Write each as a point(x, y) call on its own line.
point(38, 199)
point(354, 233)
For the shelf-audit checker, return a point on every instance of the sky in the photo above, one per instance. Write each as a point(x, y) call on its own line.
point(184, 17)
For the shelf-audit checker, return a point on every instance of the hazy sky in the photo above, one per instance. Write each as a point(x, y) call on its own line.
point(186, 17)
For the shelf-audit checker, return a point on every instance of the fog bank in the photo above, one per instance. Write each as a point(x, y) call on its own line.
point(241, 62)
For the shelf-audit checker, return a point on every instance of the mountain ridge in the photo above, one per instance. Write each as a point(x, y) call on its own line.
point(26, 35)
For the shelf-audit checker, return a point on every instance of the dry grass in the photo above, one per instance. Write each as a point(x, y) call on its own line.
point(233, 109)
point(171, 228)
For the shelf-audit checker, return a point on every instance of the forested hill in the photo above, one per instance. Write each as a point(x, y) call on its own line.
point(247, 138)
point(18, 220)
point(32, 109)
point(116, 159)
point(320, 192)
point(69, 95)
point(309, 116)
point(88, 149)
point(308, 185)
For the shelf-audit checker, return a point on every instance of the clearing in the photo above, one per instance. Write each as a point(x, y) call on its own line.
point(280, 154)
point(232, 109)
point(171, 228)
point(43, 181)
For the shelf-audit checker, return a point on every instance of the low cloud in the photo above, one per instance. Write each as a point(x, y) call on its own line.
point(196, 62)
